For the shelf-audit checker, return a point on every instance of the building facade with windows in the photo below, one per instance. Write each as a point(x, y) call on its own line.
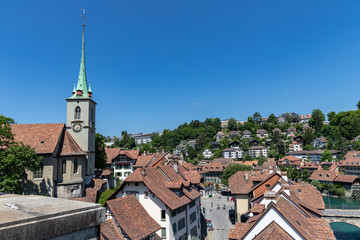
point(257, 151)
point(171, 200)
point(121, 161)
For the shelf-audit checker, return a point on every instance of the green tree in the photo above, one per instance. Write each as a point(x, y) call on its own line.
point(232, 124)
point(317, 120)
point(317, 184)
point(358, 105)
point(326, 156)
point(261, 160)
point(200, 141)
point(100, 155)
point(15, 159)
point(308, 137)
point(273, 119)
point(330, 144)
point(191, 152)
point(232, 169)
point(256, 117)
point(294, 174)
point(305, 175)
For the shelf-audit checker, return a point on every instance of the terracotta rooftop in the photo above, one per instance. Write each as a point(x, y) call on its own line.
point(112, 153)
point(42, 137)
point(242, 182)
point(323, 175)
point(132, 218)
point(306, 226)
point(109, 231)
point(156, 179)
point(256, 147)
point(308, 194)
point(143, 160)
point(70, 147)
point(351, 159)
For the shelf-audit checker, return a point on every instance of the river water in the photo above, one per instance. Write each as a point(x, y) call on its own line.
point(336, 203)
point(343, 231)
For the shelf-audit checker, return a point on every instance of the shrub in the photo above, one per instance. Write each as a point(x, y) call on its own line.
point(317, 184)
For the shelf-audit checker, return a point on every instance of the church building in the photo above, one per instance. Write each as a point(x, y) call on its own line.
point(68, 150)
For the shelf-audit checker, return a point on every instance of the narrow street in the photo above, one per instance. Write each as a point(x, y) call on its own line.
point(219, 217)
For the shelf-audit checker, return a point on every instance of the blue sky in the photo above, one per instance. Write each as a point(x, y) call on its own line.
point(156, 64)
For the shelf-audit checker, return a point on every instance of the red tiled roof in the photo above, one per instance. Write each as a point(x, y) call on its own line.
point(42, 137)
point(143, 160)
point(346, 178)
point(323, 175)
point(350, 159)
point(156, 179)
point(273, 232)
point(257, 208)
point(256, 147)
point(70, 147)
point(112, 153)
point(109, 231)
point(242, 182)
point(308, 194)
point(133, 219)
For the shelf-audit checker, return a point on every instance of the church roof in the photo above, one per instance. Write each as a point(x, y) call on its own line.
point(42, 137)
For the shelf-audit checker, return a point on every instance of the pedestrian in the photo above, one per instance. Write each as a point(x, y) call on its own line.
point(211, 204)
point(227, 198)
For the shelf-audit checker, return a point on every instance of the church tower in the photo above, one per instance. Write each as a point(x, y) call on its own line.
point(80, 120)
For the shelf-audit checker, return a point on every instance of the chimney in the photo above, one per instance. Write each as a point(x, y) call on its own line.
point(176, 166)
point(143, 172)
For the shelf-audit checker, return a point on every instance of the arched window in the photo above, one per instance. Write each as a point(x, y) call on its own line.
point(77, 112)
point(75, 166)
point(64, 166)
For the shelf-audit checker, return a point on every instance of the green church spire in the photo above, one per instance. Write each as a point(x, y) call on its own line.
point(82, 90)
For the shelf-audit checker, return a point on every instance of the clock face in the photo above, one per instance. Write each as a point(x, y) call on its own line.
point(76, 127)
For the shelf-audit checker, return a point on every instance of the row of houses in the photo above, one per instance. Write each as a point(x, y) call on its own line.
point(269, 206)
point(156, 202)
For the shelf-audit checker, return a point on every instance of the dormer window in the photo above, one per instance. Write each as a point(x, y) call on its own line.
point(77, 112)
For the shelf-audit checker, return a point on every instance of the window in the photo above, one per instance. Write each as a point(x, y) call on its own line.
point(92, 115)
point(119, 174)
point(181, 224)
point(163, 215)
point(136, 184)
point(174, 228)
point(146, 195)
point(77, 112)
point(39, 173)
point(192, 217)
point(192, 203)
point(64, 166)
point(75, 166)
point(193, 233)
point(163, 233)
point(133, 193)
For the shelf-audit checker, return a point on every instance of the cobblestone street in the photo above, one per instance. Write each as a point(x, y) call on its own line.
point(219, 217)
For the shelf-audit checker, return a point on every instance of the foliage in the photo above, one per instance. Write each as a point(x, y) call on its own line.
point(305, 175)
point(231, 169)
point(317, 184)
point(100, 155)
point(232, 124)
point(273, 119)
point(317, 120)
point(126, 142)
point(294, 174)
point(261, 160)
point(105, 195)
point(326, 156)
point(15, 159)
point(256, 117)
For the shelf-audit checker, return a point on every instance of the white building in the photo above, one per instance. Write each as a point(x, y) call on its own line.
point(232, 153)
point(320, 142)
point(141, 138)
point(207, 153)
point(312, 156)
point(257, 151)
point(295, 146)
point(170, 199)
point(246, 134)
point(262, 133)
point(122, 161)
